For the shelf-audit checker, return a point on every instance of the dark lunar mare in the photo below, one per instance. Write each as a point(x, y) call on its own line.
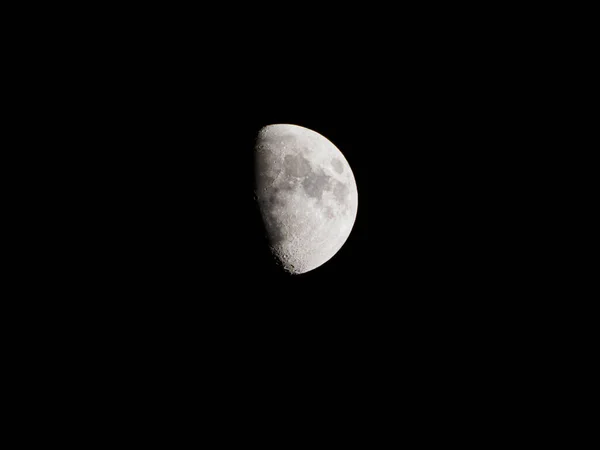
point(316, 183)
point(296, 166)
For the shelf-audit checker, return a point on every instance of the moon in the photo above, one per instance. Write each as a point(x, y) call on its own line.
point(306, 193)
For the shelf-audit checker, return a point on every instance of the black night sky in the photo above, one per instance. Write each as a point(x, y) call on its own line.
point(170, 260)
point(425, 228)
point(420, 109)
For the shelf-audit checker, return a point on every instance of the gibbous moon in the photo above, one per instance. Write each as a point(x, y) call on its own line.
point(306, 194)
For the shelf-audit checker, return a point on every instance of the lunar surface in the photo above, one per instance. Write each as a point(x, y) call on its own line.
point(306, 194)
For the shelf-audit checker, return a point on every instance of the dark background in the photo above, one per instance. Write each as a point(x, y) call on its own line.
point(428, 147)
point(179, 243)
point(433, 110)
point(427, 114)
point(159, 260)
